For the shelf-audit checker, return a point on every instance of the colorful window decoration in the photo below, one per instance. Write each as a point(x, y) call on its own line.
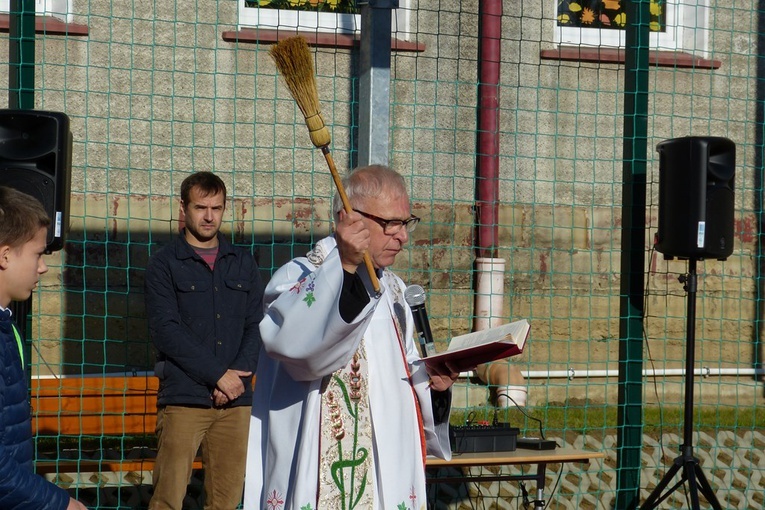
point(337, 6)
point(605, 14)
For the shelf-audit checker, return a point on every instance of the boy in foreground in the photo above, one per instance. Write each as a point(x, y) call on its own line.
point(23, 238)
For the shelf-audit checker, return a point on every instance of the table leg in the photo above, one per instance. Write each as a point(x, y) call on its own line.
point(539, 502)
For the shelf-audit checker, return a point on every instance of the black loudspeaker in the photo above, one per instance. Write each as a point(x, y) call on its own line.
point(696, 175)
point(36, 159)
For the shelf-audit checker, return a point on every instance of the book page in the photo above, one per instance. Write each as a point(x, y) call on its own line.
point(465, 352)
point(515, 332)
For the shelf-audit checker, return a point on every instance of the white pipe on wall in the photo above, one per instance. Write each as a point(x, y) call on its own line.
point(490, 292)
point(572, 373)
point(489, 304)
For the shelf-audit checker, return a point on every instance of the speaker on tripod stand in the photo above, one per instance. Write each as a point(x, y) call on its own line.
point(696, 177)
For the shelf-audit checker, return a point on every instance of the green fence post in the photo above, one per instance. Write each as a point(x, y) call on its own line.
point(21, 92)
point(21, 49)
point(630, 429)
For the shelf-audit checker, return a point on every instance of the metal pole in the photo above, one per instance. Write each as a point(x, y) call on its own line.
point(691, 285)
point(374, 81)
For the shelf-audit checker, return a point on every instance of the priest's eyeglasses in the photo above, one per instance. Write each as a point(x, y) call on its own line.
point(392, 227)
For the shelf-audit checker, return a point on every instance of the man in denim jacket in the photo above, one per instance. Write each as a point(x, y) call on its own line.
point(204, 302)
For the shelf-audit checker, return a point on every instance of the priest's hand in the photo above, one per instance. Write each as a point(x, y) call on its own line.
point(441, 377)
point(352, 238)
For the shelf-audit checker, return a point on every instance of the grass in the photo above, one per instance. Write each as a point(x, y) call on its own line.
point(604, 419)
point(596, 420)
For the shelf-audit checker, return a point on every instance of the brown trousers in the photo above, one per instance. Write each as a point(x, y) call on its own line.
point(222, 434)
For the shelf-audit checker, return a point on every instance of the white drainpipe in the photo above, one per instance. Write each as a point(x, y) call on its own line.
point(572, 373)
point(490, 292)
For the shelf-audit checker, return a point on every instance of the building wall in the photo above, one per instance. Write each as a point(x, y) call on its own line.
point(154, 93)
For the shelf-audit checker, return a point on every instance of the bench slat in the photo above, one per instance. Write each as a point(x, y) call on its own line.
point(44, 467)
point(112, 406)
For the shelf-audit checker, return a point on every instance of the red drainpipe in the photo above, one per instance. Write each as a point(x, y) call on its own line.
point(487, 161)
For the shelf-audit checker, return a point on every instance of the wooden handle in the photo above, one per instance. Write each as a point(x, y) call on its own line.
point(348, 209)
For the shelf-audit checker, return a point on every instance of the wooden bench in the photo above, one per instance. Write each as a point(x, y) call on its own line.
point(117, 407)
point(95, 405)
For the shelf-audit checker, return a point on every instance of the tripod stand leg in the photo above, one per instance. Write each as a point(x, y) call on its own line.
point(653, 499)
point(705, 488)
point(697, 482)
point(689, 472)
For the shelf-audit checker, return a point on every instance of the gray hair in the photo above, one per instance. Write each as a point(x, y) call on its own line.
point(370, 182)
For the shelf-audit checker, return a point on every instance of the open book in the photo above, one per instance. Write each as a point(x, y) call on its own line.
point(467, 351)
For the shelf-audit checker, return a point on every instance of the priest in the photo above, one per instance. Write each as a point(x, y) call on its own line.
point(344, 410)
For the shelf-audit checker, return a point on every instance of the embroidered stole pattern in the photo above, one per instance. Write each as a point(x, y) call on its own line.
point(346, 471)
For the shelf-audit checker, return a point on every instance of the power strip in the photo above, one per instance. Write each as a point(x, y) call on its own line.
point(535, 443)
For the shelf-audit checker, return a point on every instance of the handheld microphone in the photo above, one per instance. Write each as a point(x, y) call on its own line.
point(415, 298)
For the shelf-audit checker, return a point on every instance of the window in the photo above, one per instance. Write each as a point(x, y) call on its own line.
point(675, 25)
point(59, 9)
point(337, 16)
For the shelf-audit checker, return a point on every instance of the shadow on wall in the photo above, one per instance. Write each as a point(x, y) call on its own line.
point(104, 325)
